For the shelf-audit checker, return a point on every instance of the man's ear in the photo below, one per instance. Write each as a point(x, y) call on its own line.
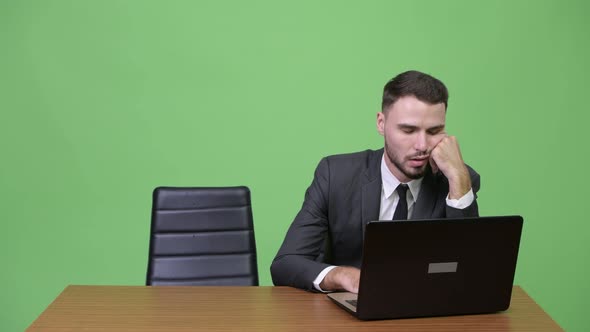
point(381, 123)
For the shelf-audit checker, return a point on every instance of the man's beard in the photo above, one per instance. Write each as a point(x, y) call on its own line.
point(411, 172)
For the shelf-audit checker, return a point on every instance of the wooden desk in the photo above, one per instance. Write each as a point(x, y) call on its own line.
point(139, 308)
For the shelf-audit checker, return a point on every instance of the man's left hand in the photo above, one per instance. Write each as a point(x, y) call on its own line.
point(446, 157)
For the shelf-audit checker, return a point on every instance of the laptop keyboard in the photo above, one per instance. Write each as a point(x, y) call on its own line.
point(352, 302)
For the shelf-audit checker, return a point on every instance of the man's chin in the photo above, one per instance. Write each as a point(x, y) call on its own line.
point(415, 173)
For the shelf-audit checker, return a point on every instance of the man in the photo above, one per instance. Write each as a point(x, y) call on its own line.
point(420, 174)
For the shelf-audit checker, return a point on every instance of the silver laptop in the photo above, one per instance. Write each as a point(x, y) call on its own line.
point(420, 268)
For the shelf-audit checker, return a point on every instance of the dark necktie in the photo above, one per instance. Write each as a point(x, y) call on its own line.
point(401, 211)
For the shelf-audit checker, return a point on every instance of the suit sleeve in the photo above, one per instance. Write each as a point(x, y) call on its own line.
point(472, 210)
point(300, 257)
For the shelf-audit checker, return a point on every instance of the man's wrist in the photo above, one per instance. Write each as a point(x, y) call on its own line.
point(459, 184)
point(462, 202)
point(317, 283)
point(328, 283)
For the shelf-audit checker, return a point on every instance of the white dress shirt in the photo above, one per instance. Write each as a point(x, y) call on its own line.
point(389, 200)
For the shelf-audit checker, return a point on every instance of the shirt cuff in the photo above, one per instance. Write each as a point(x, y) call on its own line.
point(462, 202)
point(318, 280)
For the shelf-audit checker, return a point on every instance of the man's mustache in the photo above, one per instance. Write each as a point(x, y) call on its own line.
point(420, 155)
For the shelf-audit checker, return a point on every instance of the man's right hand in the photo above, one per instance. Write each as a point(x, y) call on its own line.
point(342, 278)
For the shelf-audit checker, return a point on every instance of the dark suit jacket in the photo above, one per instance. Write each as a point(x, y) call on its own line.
point(344, 196)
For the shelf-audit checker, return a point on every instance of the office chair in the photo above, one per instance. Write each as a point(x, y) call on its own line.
point(202, 236)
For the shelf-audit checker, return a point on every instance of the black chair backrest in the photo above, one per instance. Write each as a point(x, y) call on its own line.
point(202, 236)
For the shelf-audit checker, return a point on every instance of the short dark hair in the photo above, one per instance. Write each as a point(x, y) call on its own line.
point(414, 83)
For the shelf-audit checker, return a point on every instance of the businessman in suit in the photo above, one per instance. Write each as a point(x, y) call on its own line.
point(419, 174)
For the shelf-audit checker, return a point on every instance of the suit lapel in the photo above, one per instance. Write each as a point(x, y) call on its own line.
point(371, 190)
point(427, 198)
point(371, 193)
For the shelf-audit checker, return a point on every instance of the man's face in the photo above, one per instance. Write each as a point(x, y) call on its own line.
point(411, 129)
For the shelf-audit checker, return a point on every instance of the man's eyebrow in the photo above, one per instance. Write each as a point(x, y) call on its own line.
point(435, 128)
point(405, 125)
point(409, 126)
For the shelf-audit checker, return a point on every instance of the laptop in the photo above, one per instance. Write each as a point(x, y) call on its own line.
point(422, 268)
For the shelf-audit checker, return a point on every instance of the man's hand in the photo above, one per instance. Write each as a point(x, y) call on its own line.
point(342, 278)
point(446, 157)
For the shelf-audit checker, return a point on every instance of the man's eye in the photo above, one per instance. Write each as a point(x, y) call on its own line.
point(435, 131)
point(408, 130)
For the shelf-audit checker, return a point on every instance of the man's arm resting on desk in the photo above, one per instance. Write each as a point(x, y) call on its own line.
point(301, 257)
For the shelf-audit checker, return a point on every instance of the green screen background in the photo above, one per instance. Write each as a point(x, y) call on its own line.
point(101, 101)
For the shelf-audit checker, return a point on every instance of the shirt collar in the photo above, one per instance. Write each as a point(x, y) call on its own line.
point(390, 182)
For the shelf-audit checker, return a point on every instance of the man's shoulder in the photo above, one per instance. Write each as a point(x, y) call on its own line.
point(349, 164)
point(359, 156)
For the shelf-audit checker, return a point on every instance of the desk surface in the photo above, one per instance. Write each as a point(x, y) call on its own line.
point(141, 308)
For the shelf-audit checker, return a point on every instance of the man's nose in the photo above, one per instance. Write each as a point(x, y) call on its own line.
point(420, 144)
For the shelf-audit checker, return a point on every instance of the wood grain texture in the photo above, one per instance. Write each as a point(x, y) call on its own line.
point(142, 308)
